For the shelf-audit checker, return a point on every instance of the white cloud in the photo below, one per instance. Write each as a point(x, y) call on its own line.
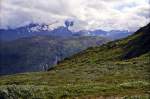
point(87, 14)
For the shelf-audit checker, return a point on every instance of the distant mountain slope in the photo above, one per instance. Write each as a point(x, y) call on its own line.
point(107, 70)
point(39, 53)
point(113, 34)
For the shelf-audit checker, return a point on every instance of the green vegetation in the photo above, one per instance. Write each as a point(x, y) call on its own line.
point(102, 71)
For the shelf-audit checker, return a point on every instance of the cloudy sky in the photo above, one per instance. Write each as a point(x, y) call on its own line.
point(87, 14)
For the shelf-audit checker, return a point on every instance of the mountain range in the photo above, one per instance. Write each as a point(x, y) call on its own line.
point(119, 69)
point(63, 31)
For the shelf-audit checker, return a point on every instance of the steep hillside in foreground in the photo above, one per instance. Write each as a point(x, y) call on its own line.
point(39, 53)
point(96, 72)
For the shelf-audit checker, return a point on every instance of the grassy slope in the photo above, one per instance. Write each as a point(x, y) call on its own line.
point(96, 71)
